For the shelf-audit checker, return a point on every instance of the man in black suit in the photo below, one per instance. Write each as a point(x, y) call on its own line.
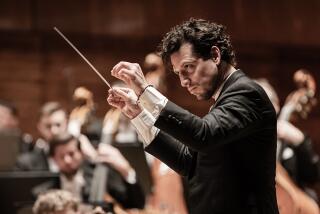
point(229, 155)
point(53, 121)
point(77, 174)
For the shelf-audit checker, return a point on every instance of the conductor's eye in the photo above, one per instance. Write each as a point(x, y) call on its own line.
point(188, 67)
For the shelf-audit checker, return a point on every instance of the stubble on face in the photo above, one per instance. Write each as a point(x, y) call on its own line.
point(200, 81)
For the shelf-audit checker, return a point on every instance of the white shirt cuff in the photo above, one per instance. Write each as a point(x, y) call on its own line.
point(132, 177)
point(152, 100)
point(144, 124)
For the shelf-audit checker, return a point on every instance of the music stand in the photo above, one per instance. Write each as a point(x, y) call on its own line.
point(9, 149)
point(134, 153)
point(20, 189)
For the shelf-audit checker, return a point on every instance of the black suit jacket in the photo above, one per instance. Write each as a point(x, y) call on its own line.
point(228, 155)
point(128, 195)
point(35, 160)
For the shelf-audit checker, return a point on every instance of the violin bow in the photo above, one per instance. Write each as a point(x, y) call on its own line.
point(83, 57)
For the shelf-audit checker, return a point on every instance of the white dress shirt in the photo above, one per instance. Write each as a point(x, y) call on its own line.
point(152, 103)
point(73, 185)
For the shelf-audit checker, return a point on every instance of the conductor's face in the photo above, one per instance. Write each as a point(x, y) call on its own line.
point(196, 74)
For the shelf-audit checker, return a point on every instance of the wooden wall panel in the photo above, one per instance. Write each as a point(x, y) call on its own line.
point(20, 83)
point(272, 39)
point(16, 14)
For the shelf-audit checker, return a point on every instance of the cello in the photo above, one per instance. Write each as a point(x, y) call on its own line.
point(291, 199)
point(83, 110)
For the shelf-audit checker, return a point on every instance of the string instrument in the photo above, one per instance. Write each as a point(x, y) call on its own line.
point(167, 196)
point(81, 114)
point(79, 118)
point(301, 101)
point(98, 192)
point(292, 200)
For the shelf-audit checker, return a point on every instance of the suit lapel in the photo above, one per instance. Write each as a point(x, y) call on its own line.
point(234, 77)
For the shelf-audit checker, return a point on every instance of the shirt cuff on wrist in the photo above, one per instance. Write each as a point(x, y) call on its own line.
point(131, 177)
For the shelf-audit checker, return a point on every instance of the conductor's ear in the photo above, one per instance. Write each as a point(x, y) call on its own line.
point(216, 55)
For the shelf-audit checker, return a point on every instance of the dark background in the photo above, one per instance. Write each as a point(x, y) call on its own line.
point(272, 39)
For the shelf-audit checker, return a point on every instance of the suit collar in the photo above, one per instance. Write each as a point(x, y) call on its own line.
point(234, 77)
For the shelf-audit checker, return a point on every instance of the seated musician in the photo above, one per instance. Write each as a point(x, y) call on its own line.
point(83, 119)
point(9, 125)
point(294, 149)
point(53, 121)
point(77, 173)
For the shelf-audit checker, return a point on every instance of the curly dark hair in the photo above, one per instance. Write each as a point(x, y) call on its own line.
point(62, 139)
point(202, 35)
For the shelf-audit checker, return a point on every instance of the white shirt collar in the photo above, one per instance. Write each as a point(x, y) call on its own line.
point(73, 185)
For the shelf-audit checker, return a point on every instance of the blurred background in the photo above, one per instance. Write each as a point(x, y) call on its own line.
point(272, 39)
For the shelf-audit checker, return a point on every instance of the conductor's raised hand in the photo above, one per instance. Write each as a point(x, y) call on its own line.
point(124, 99)
point(131, 74)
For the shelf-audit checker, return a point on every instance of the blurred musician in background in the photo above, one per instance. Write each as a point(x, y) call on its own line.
point(53, 121)
point(76, 173)
point(9, 116)
point(9, 125)
point(294, 150)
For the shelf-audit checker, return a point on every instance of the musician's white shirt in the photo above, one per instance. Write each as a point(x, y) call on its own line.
point(73, 185)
